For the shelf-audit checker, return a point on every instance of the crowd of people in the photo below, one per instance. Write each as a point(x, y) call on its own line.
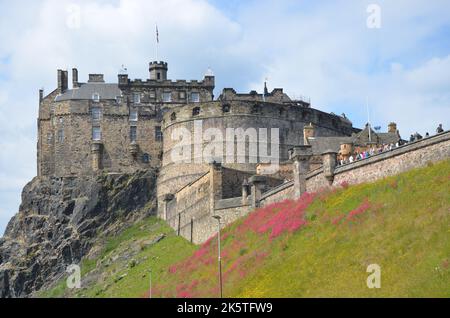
point(367, 153)
point(417, 136)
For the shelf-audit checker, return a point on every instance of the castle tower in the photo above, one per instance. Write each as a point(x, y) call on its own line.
point(158, 71)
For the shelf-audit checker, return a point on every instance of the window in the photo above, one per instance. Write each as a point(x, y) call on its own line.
point(195, 97)
point(96, 97)
point(136, 98)
point(158, 75)
point(61, 135)
point(133, 133)
point(182, 95)
point(96, 113)
point(167, 97)
point(96, 133)
point(196, 111)
point(173, 116)
point(49, 138)
point(133, 115)
point(226, 108)
point(158, 133)
point(146, 158)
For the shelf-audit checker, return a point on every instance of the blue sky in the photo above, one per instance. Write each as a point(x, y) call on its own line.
point(321, 49)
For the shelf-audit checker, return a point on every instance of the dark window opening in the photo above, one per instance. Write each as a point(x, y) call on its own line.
point(158, 75)
point(196, 111)
point(173, 116)
point(158, 133)
point(226, 108)
point(145, 158)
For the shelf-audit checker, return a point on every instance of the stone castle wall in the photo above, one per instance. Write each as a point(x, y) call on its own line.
point(220, 115)
point(412, 155)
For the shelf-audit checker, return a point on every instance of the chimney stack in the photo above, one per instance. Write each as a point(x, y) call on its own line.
point(96, 78)
point(392, 127)
point(62, 81)
point(74, 78)
point(308, 132)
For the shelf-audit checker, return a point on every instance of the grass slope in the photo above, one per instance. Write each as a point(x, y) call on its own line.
point(318, 246)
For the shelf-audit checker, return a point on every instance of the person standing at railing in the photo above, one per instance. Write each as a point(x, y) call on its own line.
point(439, 129)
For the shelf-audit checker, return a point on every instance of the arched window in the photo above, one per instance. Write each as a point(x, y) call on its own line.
point(145, 158)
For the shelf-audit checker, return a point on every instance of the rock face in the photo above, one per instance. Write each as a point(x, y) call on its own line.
point(60, 219)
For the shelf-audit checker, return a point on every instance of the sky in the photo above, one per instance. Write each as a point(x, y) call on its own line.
point(395, 54)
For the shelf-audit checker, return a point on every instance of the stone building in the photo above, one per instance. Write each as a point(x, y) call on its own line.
point(115, 127)
point(135, 125)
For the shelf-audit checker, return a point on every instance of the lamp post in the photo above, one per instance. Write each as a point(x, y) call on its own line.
point(217, 217)
point(150, 294)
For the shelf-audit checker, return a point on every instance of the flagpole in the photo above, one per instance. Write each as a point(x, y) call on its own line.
point(368, 118)
point(157, 43)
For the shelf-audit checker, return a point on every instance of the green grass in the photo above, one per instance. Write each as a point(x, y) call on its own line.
point(402, 224)
point(405, 229)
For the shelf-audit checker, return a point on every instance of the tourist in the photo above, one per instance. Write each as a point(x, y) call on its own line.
point(411, 139)
point(427, 135)
point(439, 129)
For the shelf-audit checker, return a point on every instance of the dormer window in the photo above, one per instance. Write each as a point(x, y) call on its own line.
point(167, 97)
point(136, 98)
point(96, 97)
point(195, 97)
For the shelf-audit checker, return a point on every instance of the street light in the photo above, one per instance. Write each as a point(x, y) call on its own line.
point(150, 294)
point(217, 217)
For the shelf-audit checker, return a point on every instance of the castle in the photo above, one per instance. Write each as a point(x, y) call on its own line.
point(98, 127)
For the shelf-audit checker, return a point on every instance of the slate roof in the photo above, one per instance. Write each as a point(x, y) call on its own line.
point(86, 90)
point(362, 137)
point(321, 144)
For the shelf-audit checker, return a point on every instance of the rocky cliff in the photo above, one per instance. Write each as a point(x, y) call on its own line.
point(60, 219)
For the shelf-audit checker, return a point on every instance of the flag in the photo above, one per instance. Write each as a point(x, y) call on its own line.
point(157, 34)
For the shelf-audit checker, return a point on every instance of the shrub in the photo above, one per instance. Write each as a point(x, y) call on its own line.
point(344, 184)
